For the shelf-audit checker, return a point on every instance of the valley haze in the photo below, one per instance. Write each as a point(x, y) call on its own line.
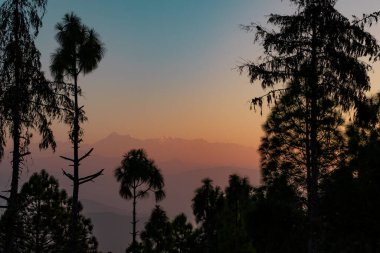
point(183, 163)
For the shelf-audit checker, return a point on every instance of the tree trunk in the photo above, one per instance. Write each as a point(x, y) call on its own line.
point(16, 136)
point(314, 168)
point(12, 202)
point(75, 140)
point(134, 233)
point(38, 242)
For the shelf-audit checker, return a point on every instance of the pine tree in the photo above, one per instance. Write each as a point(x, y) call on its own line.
point(28, 101)
point(207, 202)
point(318, 48)
point(80, 50)
point(43, 219)
point(138, 176)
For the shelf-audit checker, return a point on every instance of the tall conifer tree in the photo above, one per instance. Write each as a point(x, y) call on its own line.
point(80, 50)
point(28, 102)
point(318, 48)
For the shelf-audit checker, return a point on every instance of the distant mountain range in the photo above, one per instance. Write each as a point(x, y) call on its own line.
point(184, 163)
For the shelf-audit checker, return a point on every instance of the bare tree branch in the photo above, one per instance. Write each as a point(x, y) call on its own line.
point(86, 155)
point(90, 178)
point(66, 158)
point(25, 154)
point(3, 197)
point(71, 177)
point(367, 18)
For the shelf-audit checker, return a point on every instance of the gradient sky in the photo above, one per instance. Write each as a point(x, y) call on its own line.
point(169, 68)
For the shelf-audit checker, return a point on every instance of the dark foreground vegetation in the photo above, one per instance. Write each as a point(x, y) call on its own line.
point(321, 172)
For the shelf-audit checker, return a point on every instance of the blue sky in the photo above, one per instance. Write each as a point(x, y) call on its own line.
point(169, 66)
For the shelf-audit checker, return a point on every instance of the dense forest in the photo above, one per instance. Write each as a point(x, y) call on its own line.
point(320, 188)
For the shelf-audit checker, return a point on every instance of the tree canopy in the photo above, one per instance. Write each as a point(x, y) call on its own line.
point(318, 52)
point(138, 176)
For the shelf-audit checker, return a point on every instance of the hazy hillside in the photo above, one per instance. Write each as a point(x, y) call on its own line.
point(111, 225)
point(184, 164)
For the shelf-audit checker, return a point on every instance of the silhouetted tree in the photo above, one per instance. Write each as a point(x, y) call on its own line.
point(162, 235)
point(276, 221)
point(367, 19)
point(363, 168)
point(350, 198)
point(284, 148)
point(87, 242)
point(181, 235)
point(43, 219)
point(318, 48)
point(42, 214)
point(156, 236)
point(138, 176)
point(28, 102)
point(232, 219)
point(80, 51)
point(208, 200)
point(237, 197)
point(346, 217)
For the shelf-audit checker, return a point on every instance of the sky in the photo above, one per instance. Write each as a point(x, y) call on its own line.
point(170, 66)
